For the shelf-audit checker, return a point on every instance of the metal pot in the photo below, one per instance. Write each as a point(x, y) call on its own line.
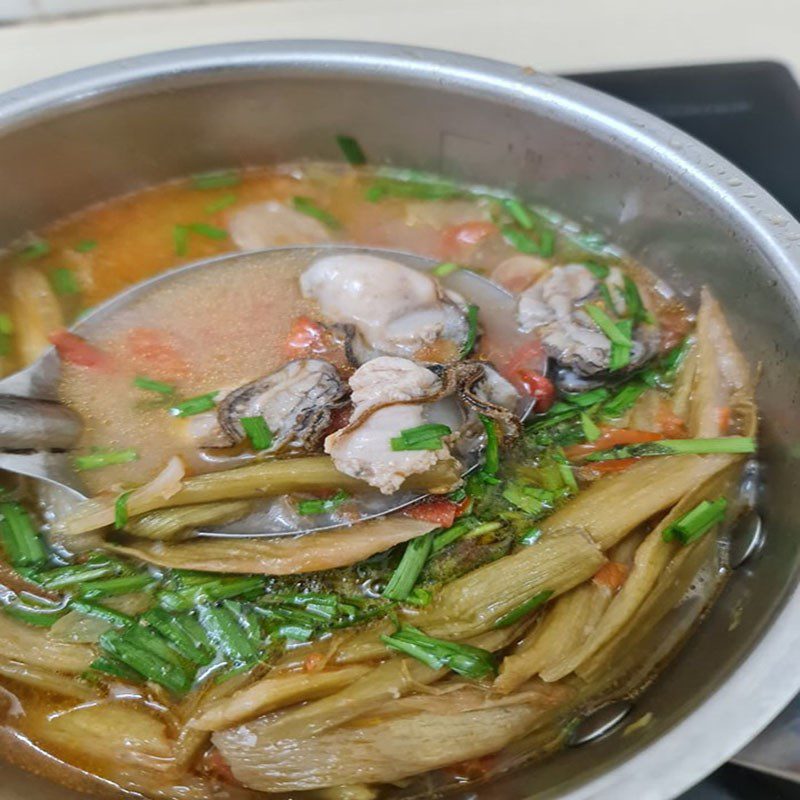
point(674, 204)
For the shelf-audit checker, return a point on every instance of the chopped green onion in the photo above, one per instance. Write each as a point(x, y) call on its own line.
point(105, 458)
point(472, 331)
point(89, 609)
point(21, 541)
point(351, 150)
point(521, 215)
point(112, 666)
point(305, 205)
point(6, 331)
point(113, 587)
point(663, 374)
point(633, 302)
point(209, 231)
point(219, 179)
point(445, 269)
point(524, 609)
point(38, 248)
point(590, 430)
point(226, 633)
point(209, 589)
point(423, 437)
point(530, 499)
point(600, 271)
point(547, 243)
point(184, 632)
point(607, 325)
point(621, 353)
point(35, 611)
point(420, 189)
point(408, 570)
point(72, 574)
point(491, 461)
point(151, 385)
point(180, 240)
point(64, 282)
point(194, 405)
point(419, 597)
point(466, 660)
point(565, 471)
point(623, 401)
point(320, 506)
point(530, 537)
point(697, 522)
point(668, 447)
point(257, 431)
point(446, 537)
point(86, 245)
point(520, 241)
point(226, 201)
point(121, 510)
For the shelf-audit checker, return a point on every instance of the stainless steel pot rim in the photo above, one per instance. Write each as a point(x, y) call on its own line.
point(766, 680)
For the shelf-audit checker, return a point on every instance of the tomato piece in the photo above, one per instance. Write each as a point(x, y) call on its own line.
point(724, 419)
point(541, 389)
point(216, 765)
point(467, 234)
point(611, 437)
point(75, 350)
point(438, 510)
point(609, 467)
point(307, 336)
point(672, 426)
point(611, 575)
point(313, 662)
point(155, 350)
point(473, 768)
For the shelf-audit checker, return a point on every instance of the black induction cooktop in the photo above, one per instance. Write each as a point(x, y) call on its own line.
point(749, 113)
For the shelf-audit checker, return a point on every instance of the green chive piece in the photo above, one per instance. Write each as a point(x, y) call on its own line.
point(621, 353)
point(6, 325)
point(64, 282)
point(226, 201)
point(225, 632)
point(85, 245)
point(590, 398)
point(520, 241)
point(151, 385)
point(421, 187)
point(21, 540)
point(590, 430)
point(185, 634)
point(408, 570)
point(320, 506)
point(105, 458)
point(607, 325)
point(258, 432)
point(116, 668)
point(530, 537)
point(35, 611)
point(446, 537)
point(218, 179)
point(180, 240)
point(531, 499)
point(210, 589)
point(524, 609)
point(89, 609)
point(121, 510)
point(38, 248)
point(697, 522)
point(669, 447)
point(472, 332)
point(194, 405)
point(445, 269)
point(634, 305)
point(351, 150)
point(565, 471)
point(305, 205)
point(600, 271)
point(95, 568)
point(520, 214)
point(419, 597)
point(464, 659)
point(209, 231)
point(113, 587)
point(423, 437)
point(623, 401)
point(547, 243)
point(491, 459)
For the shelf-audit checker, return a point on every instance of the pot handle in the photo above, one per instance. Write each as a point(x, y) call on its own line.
point(29, 424)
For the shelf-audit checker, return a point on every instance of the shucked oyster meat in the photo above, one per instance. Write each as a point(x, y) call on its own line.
point(296, 401)
point(273, 224)
point(391, 309)
point(389, 395)
point(553, 308)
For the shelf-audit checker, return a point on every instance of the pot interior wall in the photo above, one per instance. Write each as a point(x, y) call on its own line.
point(102, 146)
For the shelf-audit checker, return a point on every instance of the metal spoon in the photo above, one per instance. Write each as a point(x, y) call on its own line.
point(37, 432)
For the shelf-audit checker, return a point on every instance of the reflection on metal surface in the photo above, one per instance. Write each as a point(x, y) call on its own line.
point(747, 538)
point(600, 722)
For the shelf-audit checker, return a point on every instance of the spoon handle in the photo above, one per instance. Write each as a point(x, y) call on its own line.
point(28, 424)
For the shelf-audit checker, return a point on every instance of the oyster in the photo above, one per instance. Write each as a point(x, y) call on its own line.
point(553, 308)
point(274, 225)
point(389, 395)
point(489, 393)
point(296, 401)
point(388, 308)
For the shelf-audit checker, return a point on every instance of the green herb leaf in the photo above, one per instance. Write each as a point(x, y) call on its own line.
point(185, 634)
point(522, 216)
point(180, 240)
point(621, 353)
point(351, 150)
point(21, 540)
point(607, 325)
point(697, 522)
point(669, 447)
point(520, 241)
point(89, 609)
point(121, 510)
point(151, 385)
point(446, 537)
point(524, 609)
point(113, 587)
point(85, 246)
point(218, 179)
point(422, 187)
point(305, 205)
point(38, 248)
point(320, 506)
point(600, 271)
point(466, 660)
point(530, 537)
point(408, 570)
point(209, 231)
point(105, 458)
point(590, 430)
point(194, 405)
point(225, 632)
point(531, 499)
point(423, 437)
point(64, 282)
point(547, 243)
point(220, 204)
point(444, 269)
point(472, 332)
point(258, 432)
point(491, 459)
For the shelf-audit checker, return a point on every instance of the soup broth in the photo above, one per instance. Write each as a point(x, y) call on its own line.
point(441, 644)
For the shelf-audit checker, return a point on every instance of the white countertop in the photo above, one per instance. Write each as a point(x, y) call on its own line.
point(551, 35)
